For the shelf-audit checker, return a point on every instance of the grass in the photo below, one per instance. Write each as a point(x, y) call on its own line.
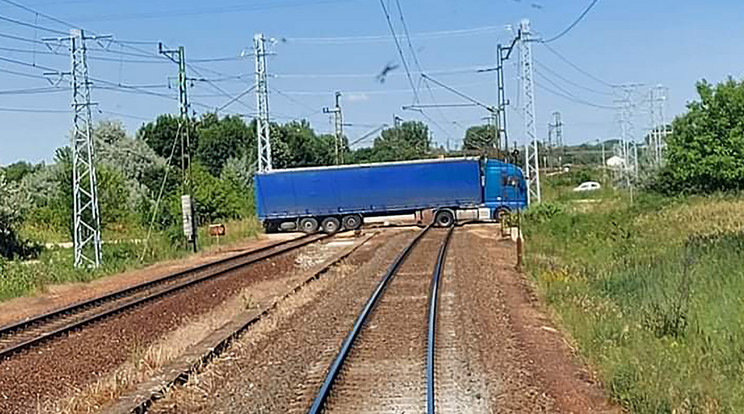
point(54, 266)
point(653, 295)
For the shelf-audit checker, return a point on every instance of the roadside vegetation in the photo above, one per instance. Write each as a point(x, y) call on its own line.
point(140, 180)
point(653, 291)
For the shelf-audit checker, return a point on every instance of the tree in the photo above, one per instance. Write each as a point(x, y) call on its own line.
point(480, 138)
point(705, 151)
point(17, 171)
point(220, 140)
point(13, 206)
point(409, 141)
point(161, 136)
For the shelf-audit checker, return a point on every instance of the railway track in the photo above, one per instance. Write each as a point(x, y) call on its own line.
point(31, 332)
point(386, 362)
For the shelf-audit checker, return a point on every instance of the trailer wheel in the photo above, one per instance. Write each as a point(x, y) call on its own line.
point(352, 222)
point(444, 218)
point(309, 225)
point(330, 225)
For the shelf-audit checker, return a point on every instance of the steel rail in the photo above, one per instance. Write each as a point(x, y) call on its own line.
point(433, 298)
point(335, 369)
point(260, 254)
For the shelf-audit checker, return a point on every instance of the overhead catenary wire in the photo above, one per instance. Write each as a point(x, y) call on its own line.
point(385, 38)
point(218, 89)
point(572, 25)
point(421, 70)
point(400, 51)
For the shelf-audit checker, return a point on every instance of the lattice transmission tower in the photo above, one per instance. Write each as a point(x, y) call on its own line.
point(263, 128)
point(658, 132)
point(531, 153)
point(87, 218)
point(628, 147)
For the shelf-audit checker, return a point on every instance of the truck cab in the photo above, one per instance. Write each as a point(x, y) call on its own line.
point(504, 187)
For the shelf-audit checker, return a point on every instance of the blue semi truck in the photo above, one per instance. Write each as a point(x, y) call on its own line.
point(339, 197)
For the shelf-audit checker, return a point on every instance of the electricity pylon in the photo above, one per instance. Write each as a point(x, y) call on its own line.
point(263, 128)
point(531, 153)
point(86, 216)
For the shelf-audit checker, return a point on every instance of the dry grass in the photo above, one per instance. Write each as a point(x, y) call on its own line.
point(194, 395)
point(145, 361)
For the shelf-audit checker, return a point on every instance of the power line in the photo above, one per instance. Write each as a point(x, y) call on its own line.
point(418, 65)
point(21, 39)
point(573, 98)
point(565, 91)
point(32, 65)
point(572, 25)
point(570, 82)
point(31, 25)
point(34, 91)
point(400, 51)
point(123, 115)
point(468, 70)
point(207, 11)
point(385, 38)
point(576, 67)
point(218, 89)
point(25, 75)
point(35, 111)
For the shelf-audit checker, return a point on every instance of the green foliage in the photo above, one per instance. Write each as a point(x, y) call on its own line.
point(13, 206)
point(409, 141)
point(480, 138)
point(17, 171)
point(543, 212)
point(221, 140)
point(216, 199)
point(162, 135)
point(705, 152)
point(651, 296)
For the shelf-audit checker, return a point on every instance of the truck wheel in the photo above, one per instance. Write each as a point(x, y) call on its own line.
point(352, 222)
point(331, 225)
point(444, 218)
point(309, 225)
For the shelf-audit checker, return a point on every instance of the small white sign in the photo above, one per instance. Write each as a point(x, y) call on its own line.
point(188, 216)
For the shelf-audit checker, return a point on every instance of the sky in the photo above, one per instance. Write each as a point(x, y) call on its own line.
point(321, 46)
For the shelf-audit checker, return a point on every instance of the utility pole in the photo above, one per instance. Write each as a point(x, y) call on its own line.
point(531, 153)
point(87, 218)
point(502, 55)
point(178, 56)
point(262, 104)
point(339, 125)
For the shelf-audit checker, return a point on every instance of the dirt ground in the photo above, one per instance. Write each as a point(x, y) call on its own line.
point(58, 296)
point(498, 351)
point(66, 368)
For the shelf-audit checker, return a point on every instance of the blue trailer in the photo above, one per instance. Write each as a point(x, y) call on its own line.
point(332, 198)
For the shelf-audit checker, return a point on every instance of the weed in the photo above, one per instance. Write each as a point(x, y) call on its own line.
point(652, 294)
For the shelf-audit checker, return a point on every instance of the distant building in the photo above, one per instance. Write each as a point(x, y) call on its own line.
point(615, 162)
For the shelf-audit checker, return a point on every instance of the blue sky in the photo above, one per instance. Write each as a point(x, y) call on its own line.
point(674, 43)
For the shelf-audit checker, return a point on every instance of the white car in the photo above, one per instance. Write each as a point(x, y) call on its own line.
point(588, 186)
